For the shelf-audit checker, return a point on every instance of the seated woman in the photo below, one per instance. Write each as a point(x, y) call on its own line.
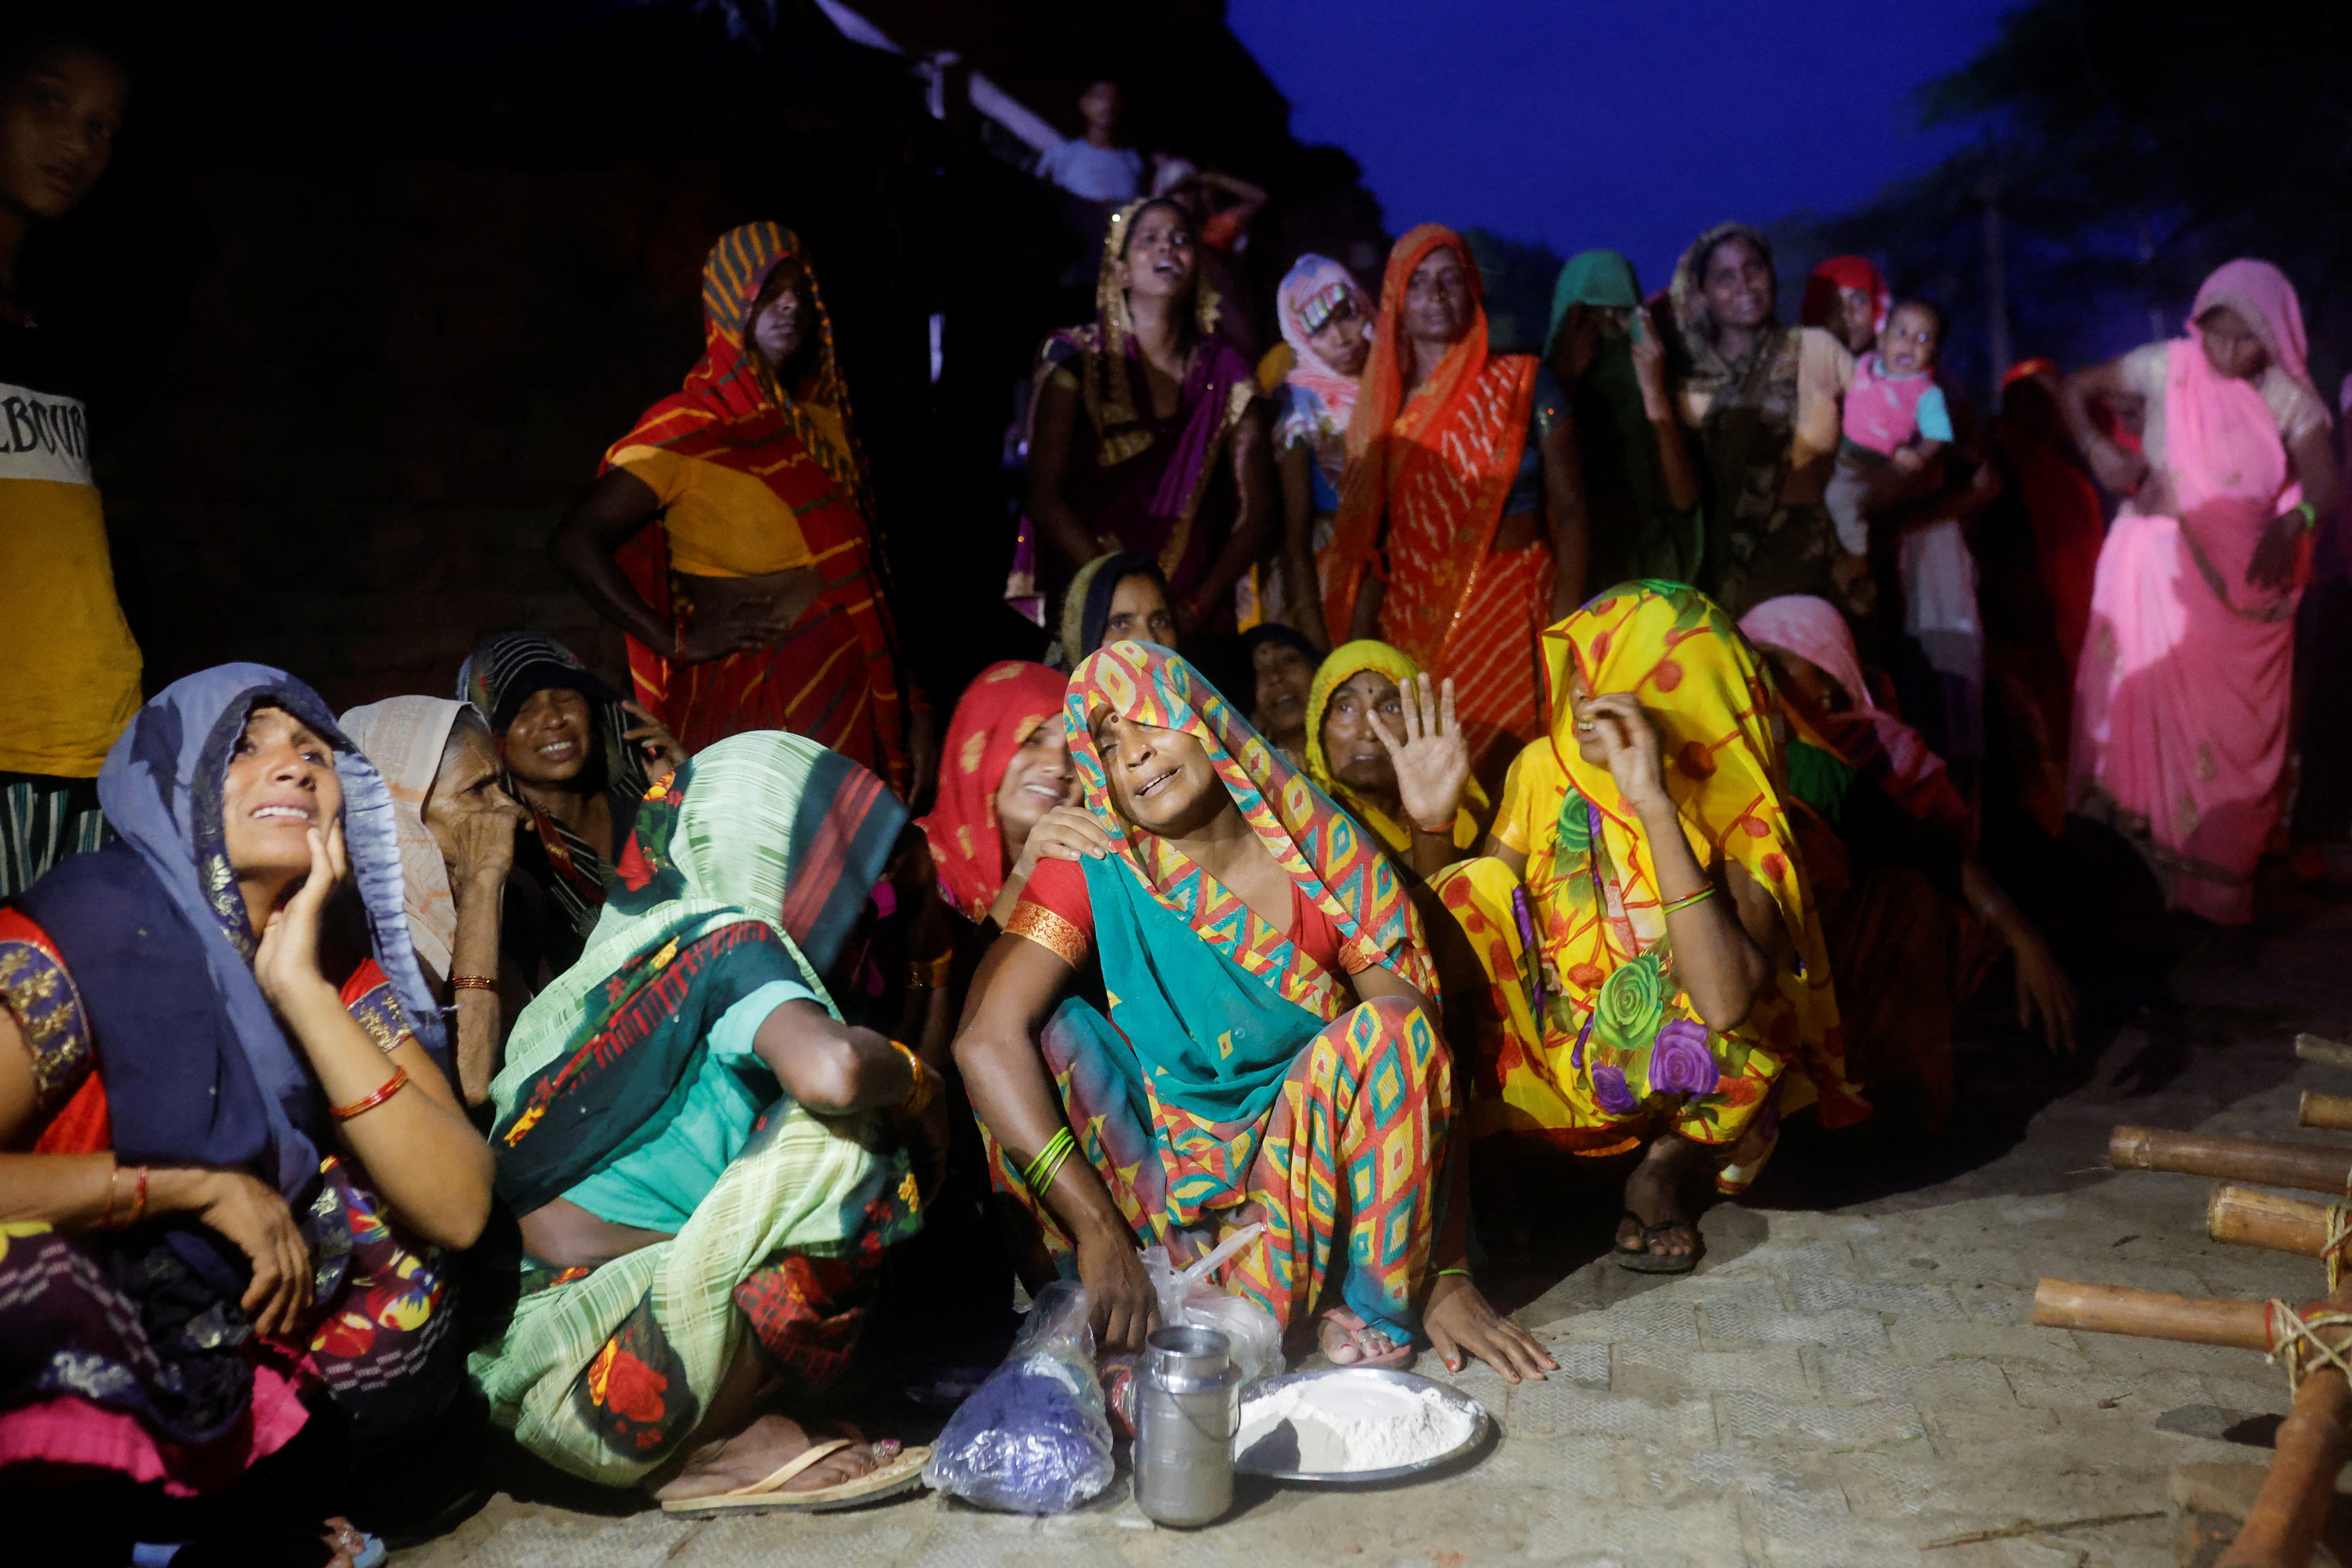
point(456, 830)
point(1892, 868)
point(1387, 746)
point(1112, 598)
point(702, 1155)
point(1677, 967)
point(219, 1180)
point(577, 756)
point(1282, 669)
point(1007, 766)
point(1268, 1041)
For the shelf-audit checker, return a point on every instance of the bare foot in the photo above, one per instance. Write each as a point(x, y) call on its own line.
point(1348, 1341)
point(1653, 1199)
point(759, 1450)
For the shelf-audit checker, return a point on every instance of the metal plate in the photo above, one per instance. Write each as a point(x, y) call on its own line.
point(1454, 1397)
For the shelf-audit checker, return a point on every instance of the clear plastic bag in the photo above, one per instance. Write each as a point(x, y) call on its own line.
point(1034, 1438)
point(1189, 1299)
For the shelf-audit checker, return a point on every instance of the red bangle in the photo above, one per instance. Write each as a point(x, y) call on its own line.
point(360, 1107)
point(473, 983)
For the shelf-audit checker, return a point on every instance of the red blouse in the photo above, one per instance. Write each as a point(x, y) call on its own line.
point(1056, 912)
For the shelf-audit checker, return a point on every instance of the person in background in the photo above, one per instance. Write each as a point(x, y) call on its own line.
point(457, 829)
point(1891, 847)
point(1282, 671)
point(2180, 707)
point(68, 658)
point(1894, 423)
point(1384, 742)
point(1763, 400)
point(1112, 598)
point(1094, 167)
point(1149, 436)
point(1640, 490)
point(731, 535)
point(1462, 528)
point(576, 757)
point(707, 1162)
point(1326, 322)
point(1268, 1040)
point(1848, 297)
point(237, 1158)
point(1672, 968)
point(1007, 767)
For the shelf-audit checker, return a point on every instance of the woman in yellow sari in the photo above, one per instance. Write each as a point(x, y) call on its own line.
point(1678, 967)
point(1385, 743)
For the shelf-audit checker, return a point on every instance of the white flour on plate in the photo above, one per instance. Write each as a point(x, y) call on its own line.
point(1345, 1424)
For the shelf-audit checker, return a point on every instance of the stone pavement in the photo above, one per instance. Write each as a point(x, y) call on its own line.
point(1849, 1377)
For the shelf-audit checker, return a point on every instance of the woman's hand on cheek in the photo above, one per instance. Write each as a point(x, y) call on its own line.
point(285, 960)
point(1629, 738)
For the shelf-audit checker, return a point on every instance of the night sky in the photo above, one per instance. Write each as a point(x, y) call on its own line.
point(1613, 123)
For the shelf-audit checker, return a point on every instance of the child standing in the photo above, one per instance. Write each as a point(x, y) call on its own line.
point(1894, 414)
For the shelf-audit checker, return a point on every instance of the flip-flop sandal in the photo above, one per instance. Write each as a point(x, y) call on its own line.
point(902, 1472)
point(1396, 1355)
point(1644, 1262)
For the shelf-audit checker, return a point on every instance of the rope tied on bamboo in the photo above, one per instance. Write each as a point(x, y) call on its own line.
point(2339, 1235)
point(2295, 1338)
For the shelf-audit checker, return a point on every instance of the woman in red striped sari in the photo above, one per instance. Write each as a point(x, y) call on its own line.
point(731, 533)
point(1461, 533)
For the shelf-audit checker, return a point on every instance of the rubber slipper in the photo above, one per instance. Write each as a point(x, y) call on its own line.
point(1642, 1260)
point(902, 1472)
point(1396, 1355)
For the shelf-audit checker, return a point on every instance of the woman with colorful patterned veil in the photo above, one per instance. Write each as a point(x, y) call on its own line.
point(1225, 1017)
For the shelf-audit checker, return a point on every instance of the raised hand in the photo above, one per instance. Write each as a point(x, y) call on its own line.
point(286, 960)
point(1629, 738)
point(1431, 760)
point(663, 754)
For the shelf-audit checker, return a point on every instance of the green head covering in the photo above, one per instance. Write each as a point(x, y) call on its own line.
point(1597, 278)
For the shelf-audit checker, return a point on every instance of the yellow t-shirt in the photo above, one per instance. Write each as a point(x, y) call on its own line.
point(67, 661)
point(721, 523)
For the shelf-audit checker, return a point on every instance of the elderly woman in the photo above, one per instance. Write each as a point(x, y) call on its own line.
point(1462, 527)
point(1670, 967)
point(1640, 490)
point(1762, 400)
point(1386, 743)
point(1326, 322)
point(707, 1162)
point(236, 1151)
point(456, 830)
point(2180, 707)
point(1149, 436)
point(1269, 1040)
point(575, 756)
point(731, 533)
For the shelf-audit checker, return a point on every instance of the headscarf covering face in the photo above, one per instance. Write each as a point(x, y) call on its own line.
point(1348, 662)
point(162, 789)
point(1824, 289)
point(1703, 685)
point(404, 737)
point(993, 720)
point(1315, 842)
point(1311, 292)
point(1602, 279)
point(1085, 608)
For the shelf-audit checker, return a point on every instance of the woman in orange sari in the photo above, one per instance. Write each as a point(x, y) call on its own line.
point(731, 533)
point(1461, 531)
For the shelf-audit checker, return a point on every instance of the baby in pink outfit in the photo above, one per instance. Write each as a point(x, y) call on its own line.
point(1895, 413)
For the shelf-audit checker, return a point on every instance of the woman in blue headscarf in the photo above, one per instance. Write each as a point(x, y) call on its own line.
point(236, 1153)
point(1640, 487)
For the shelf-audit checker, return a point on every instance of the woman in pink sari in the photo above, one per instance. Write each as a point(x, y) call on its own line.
point(2180, 704)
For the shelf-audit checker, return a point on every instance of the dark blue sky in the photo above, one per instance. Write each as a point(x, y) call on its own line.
point(1614, 122)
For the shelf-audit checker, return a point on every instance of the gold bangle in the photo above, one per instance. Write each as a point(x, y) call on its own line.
point(1687, 900)
point(473, 983)
point(918, 1098)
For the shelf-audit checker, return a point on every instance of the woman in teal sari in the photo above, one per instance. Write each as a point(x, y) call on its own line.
point(706, 1160)
point(1265, 1051)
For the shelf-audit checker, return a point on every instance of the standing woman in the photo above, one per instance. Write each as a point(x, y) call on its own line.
point(1111, 599)
point(1679, 967)
point(731, 535)
point(1149, 435)
point(67, 656)
point(1462, 527)
point(1641, 488)
point(236, 1153)
point(2180, 707)
point(1763, 400)
point(1848, 297)
point(1326, 320)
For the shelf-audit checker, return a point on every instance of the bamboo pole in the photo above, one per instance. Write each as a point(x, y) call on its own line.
point(2308, 1452)
point(2319, 1049)
point(2310, 1167)
point(2152, 1314)
point(2333, 1111)
point(2248, 1218)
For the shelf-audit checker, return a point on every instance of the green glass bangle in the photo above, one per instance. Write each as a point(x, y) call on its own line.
point(2310, 516)
point(1443, 1272)
point(1049, 1161)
